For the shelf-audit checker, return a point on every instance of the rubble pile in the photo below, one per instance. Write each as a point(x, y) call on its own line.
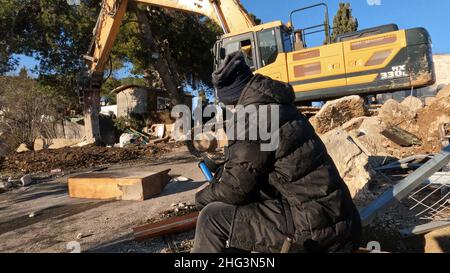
point(335, 113)
point(359, 142)
point(76, 158)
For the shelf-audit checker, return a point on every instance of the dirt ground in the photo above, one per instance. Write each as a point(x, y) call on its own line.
point(106, 225)
point(78, 158)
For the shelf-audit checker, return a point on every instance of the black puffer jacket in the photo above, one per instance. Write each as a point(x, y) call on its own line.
point(317, 204)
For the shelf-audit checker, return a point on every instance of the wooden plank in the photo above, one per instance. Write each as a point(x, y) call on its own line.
point(119, 185)
point(166, 227)
point(401, 137)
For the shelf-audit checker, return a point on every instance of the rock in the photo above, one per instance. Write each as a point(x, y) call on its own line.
point(428, 121)
point(126, 139)
point(371, 137)
point(393, 113)
point(354, 124)
point(444, 92)
point(438, 241)
point(56, 171)
point(26, 180)
point(5, 185)
point(351, 162)
point(79, 236)
point(429, 100)
point(22, 148)
point(335, 113)
point(413, 103)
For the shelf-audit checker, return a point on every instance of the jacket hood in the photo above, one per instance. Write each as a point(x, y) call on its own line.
point(264, 90)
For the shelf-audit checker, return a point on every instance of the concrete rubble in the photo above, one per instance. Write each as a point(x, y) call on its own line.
point(351, 161)
point(335, 113)
point(354, 137)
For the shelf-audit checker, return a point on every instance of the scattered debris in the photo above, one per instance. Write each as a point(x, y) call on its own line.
point(166, 227)
point(82, 235)
point(5, 185)
point(127, 139)
point(412, 162)
point(158, 130)
point(401, 137)
point(26, 180)
point(335, 113)
point(444, 133)
point(56, 171)
point(77, 158)
point(180, 179)
point(402, 189)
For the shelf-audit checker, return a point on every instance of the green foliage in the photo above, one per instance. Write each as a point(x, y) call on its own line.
point(58, 34)
point(54, 33)
point(135, 121)
point(27, 111)
point(189, 37)
point(344, 22)
point(255, 19)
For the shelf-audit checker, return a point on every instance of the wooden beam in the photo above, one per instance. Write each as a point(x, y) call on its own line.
point(119, 185)
point(166, 227)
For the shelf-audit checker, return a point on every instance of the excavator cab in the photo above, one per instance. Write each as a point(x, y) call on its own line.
point(261, 45)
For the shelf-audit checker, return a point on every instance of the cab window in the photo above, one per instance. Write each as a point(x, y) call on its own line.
point(287, 41)
point(246, 47)
point(267, 46)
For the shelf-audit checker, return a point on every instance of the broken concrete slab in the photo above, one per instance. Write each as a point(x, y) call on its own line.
point(394, 113)
point(123, 185)
point(351, 162)
point(371, 138)
point(335, 113)
point(413, 103)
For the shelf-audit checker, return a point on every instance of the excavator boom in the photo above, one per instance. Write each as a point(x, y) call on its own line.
point(229, 14)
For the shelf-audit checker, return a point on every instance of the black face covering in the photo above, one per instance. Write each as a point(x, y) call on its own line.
point(231, 78)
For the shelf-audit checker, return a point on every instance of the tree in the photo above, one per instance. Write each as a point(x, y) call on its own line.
point(344, 22)
point(170, 48)
point(54, 33)
point(27, 113)
point(255, 19)
point(58, 34)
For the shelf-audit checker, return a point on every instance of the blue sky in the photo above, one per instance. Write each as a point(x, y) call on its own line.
point(433, 15)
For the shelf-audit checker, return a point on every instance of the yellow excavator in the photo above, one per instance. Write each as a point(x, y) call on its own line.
point(370, 61)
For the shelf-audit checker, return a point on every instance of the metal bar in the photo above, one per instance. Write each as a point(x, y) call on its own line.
point(406, 186)
point(399, 166)
point(166, 227)
point(423, 229)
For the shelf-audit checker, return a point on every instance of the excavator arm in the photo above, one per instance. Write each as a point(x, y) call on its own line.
point(229, 14)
